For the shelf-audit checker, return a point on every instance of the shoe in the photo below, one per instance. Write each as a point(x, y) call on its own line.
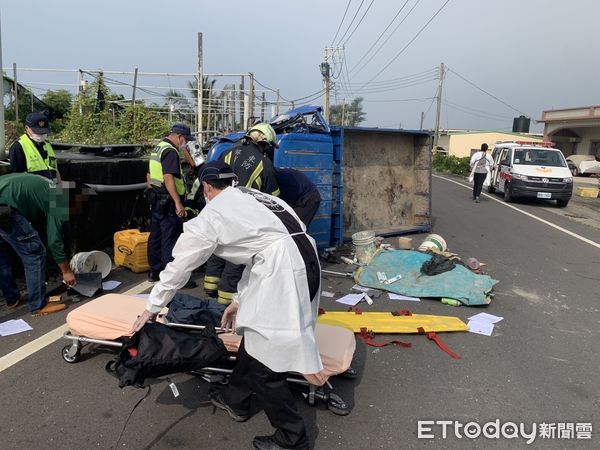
point(210, 293)
point(49, 309)
point(16, 303)
point(190, 285)
point(267, 443)
point(216, 398)
point(476, 199)
point(153, 278)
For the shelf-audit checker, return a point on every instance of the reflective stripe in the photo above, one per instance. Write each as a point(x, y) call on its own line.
point(276, 193)
point(228, 157)
point(226, 295)
point(210, 286)
point(211, 279)
point(256, 176)
point(35, 162)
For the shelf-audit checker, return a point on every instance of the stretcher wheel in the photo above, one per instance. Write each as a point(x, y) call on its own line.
point(350, 373)
point(68, 358)
point(336, 405)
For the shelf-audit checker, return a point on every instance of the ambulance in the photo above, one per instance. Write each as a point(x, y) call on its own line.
point(531, 170)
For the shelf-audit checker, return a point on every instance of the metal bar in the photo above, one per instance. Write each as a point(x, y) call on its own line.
point(71, 337)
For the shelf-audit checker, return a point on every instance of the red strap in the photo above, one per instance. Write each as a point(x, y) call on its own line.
point(355, 309)
point(367, 337)
point(401, 312)
point(321, 311)
point(433, 337)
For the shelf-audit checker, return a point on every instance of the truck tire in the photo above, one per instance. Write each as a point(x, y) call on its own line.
point(562, 203)
point(508, 197)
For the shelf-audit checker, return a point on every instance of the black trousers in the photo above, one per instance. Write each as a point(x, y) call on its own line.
point(478, 179)
point(306, 207)
point(223, 274)
point(273, 393)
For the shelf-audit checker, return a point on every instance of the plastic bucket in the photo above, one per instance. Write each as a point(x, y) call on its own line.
point(364, 246)
point(433, 242)
point(94, 261)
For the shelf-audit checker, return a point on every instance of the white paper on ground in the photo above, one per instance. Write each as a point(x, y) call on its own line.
point(327, 294)
point(481, 327)
point(485, 317)
point(403, 297)
point(351, 299)
point(358, 287)
point(110, 285)
point(13, 327)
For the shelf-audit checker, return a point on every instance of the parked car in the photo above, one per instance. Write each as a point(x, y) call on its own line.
point(572, 168)
point(585, 165)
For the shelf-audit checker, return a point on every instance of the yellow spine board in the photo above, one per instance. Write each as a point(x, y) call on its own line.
point(386, 323)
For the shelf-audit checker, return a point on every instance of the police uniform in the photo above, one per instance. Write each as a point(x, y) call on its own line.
point(38, 158)
point(165, 226)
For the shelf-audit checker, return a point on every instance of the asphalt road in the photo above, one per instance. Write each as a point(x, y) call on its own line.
point(540, 365)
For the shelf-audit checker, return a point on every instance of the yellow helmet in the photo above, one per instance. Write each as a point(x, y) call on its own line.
point(267, 131)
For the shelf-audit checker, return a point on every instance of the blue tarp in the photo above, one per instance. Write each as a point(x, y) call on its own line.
point(459, 283)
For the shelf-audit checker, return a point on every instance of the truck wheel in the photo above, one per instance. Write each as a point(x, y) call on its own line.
point(562, 203)
point(507, 193)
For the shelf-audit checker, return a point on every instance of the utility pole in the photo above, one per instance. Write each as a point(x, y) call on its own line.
point(277, 104)
point(200, 93)
point(242, 95)
point(262, 107)
point(251, 118)
point(344, 113)
point(16, 88)
point(439, 106)
point(325, 72)
point(422, 119)
point(135, 74)
point(2, 142)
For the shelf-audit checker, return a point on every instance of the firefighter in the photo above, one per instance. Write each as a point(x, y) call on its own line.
point(250, 160)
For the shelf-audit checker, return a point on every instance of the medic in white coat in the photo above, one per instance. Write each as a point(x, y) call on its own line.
point(278, 295)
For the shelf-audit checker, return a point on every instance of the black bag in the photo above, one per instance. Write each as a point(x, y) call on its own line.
point(158, 350)
point(5, 217)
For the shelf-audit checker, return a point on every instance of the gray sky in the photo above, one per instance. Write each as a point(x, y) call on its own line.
point(531, 54)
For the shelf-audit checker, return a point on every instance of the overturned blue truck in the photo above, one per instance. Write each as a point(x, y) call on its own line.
point(369, 178)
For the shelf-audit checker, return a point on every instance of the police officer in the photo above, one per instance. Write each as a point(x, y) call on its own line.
point(32, 153)
point(165, 194)
point(251, 161)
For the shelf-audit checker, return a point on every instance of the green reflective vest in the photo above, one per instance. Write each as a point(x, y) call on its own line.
point(35, 162)
point(156, 174)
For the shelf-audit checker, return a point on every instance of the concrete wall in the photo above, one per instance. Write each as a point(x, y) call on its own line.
point(464, 144)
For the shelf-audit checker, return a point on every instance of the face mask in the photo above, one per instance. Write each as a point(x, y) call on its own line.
point(39, 138)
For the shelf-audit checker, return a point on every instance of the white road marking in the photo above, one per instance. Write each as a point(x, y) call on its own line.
point(550, 224)
point(36, 345)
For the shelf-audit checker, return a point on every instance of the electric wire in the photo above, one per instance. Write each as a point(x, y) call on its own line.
point(353, 19)
point(358, 24)
point(340, 25)
point(366, 63)
point(409, 42)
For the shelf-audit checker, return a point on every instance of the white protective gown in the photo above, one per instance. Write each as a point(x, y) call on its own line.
point(276, 316)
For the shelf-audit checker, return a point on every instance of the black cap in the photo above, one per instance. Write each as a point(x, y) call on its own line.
point(38, 122)
point(216, 170)
point(182, 129)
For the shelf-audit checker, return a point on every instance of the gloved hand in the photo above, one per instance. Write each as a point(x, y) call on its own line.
point(229, 316)
point(142, 319)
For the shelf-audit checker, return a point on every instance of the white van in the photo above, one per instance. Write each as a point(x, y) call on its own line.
point(530, 169)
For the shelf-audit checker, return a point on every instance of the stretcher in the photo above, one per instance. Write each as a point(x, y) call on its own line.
point(108, 320)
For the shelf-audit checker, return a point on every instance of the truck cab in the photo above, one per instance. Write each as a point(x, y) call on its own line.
point(531, 170)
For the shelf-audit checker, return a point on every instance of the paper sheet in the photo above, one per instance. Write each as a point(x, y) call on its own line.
point(403, 297)
point(110, 285)
point(13, 327)
point(481, 327)
point(485, 317)
point(351, 299)
point(327, 294)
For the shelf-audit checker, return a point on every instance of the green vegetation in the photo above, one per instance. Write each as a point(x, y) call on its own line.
point(451, 164)
point(348, 114)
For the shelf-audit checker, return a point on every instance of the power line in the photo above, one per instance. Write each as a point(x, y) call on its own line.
point(381, 35)
point(407, 78)
point(476, 110)
point(340, 25)
point(409, 42)
point(358, 24)
point(486, 92)
point(366, 63)
point(353, 19)
point(421, 99)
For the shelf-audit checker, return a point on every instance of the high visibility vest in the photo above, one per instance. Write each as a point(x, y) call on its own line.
point(35, 162)
point(156, 174)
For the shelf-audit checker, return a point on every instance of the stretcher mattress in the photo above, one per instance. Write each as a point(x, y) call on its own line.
point(111, 316)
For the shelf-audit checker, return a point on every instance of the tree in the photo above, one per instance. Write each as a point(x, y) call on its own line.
point(348, 114)
point(59, 103)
